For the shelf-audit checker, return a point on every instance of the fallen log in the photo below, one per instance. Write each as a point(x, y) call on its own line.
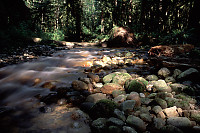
point(171, 50)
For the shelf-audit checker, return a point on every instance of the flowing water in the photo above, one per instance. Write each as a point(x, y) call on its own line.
point(20, 83)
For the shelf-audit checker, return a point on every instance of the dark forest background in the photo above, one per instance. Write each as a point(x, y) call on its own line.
point(154, 21)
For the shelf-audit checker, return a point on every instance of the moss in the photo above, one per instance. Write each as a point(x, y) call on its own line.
point(136, 86)
point(108, 78)
point(121, 78)
point(103, 108)
point(144, 81)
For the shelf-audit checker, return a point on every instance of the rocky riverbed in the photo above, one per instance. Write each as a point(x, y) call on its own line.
point(112, 90)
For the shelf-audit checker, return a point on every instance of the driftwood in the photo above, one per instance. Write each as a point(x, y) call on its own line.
point(171, 50)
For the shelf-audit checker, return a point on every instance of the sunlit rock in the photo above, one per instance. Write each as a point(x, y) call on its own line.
point(110, 87)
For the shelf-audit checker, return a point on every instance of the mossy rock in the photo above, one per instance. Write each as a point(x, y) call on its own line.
point(171, 101)
point(144, 81)
point(129, 55)
point(121, 78)
point(135, 85)
point(186, 98)
point(195, 116)
point(108, 78)
point(103, 109)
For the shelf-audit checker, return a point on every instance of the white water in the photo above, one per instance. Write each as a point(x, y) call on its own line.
point(17, 82)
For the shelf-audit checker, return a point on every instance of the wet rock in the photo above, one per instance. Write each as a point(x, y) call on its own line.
point(116, 93)
point(114, 129)
point(158, 123)
point(73, 93)
point(135, 85)
point(119, 99)
point(146, 117)
point(164, 72)
point(86, 80)
point(152, 78)
point(127, 129)
point(134, 96)
point(50, 85)
point(142, 95)
point(106, 59)
point(103, 108)
point(94, 77)
point(62, 102)
point(136, 123)
point(129, 55)
point(170, 80)
point(46, 109)
point(99, 125)
point(161, 86)
point(127, 105)
point(115, 121)
point(76, 99)
point(171, 112)
point(98, 85)
point(110, 87)
point(176, 73)
point(180, 122)
point(95, 97)
point(119, 114)
point(170, 129)
point(161, 102)
point(86, 106)
point(190, 74)
point(79, 85)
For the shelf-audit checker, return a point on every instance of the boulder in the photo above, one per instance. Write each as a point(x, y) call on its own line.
point(115, 121)
point(127, 105)
point(135, 85)
point(99, 125)
point(164, 72)
point(158, 123)
point(121, 37)
point(180, 122)
point(116, 93)
point(119, 99)
point(110, 87)
point(79, 85)
point(119, 114)
point(127, 129)
point(103, 108)
point(171, 112)
point(161, 86)
point(152, 78)
point(95, 97)
point(190, 74)
point(136, 122)
point(176, 73)
point(134, 96)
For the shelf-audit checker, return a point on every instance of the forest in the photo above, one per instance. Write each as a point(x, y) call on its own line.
point(100, 66)
point(164, 21)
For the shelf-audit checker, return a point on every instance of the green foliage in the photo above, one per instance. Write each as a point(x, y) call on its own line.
point(57, 35)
